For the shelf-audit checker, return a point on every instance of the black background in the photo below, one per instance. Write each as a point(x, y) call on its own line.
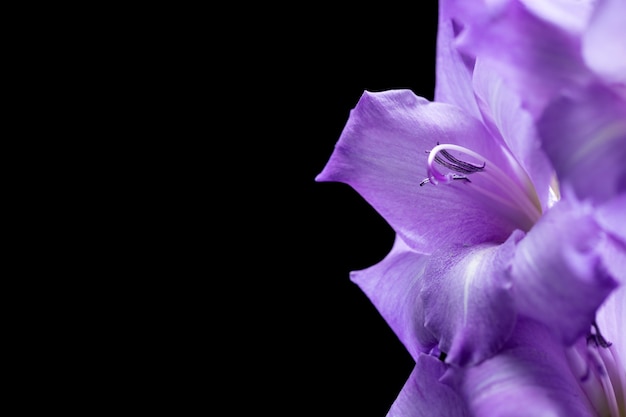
point(326, 350)
point(221, 271)
point(289, 333)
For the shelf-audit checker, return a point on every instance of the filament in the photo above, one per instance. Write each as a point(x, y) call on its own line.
point(510, 192)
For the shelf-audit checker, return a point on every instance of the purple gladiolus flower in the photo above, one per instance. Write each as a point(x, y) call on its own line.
point(507, 194)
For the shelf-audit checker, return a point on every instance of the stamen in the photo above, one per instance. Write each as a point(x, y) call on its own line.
point(602, 373)
point(598, 338)
point(466, 166)
point(607, 372)
point(582, 364)
point(505, 190)
point(619, 377)
point(454, 177)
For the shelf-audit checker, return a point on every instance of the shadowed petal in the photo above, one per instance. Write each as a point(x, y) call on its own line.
point(529, 377)
point(535, 57)
point(382, 154)
point(558, 272)
point(393, 286)
point(424, 396)
point(611, 216)
point(468, 301)
point(591, 155)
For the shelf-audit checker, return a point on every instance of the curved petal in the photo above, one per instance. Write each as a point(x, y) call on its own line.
point(393, 286)
point(529, 377)
point(535, 57)
point(558, 272)
point(503, 112)
point(612, 218)
point(611, 319)
point(424, 396)
point(382, 154)
point(590, 156)
point(604, 48)
point(453, 73)
point(468, 301)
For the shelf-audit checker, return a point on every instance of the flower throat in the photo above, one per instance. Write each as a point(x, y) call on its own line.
point(515, 196)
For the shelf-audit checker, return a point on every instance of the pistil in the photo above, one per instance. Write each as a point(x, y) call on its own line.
point(501, 188)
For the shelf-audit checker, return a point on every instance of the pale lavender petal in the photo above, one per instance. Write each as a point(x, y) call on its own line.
point(572, 16)
point(558, 272)
point(468, 301)
point(503, 112)
point(424, 396)
point(382, 154)
point(453, 73)
point(535, 57)
point(529, 377)
point(393, 286)
point(585, 138)
point(604, 48)
point(611, 319)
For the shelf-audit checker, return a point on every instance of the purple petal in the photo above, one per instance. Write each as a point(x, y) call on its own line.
point(535, 57)
point(424, 396)
point(468, 301)
point(382, 154)
point(604, 48)
point(529, 377)
point(393, 286)
point(503, 112)
point(611, 216)
point(558, 272)
point(571, 16)
point(591, 155)
point(453, 73)
point(611, 320)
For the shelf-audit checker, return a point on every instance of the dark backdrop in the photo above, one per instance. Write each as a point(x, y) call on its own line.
point(327, 349)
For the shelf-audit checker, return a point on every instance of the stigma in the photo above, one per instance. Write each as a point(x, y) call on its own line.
point(507, 189)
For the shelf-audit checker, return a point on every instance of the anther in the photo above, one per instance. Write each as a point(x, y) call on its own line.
point(454, 177)
point(597, 337)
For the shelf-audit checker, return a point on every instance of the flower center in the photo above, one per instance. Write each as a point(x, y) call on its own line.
point(512, 192)
point(601, 374)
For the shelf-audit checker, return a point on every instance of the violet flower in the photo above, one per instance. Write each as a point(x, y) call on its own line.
point(506, 279)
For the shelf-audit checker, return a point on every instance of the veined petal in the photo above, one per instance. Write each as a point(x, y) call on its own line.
point(468, 301)
point(424, 396)
point(393, 286)
point(503, 112)
point(382, 154)
point(558, 272)
point(529, 377)
point(585, 138)
point(604, 48)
